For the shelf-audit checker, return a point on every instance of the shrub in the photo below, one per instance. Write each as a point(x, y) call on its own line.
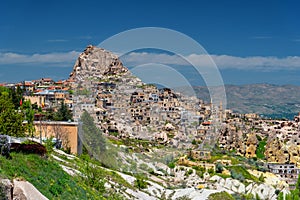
point(171, 165)
point(34, 148)
point(219, 168)
point(194, 142)
point(261, 178)
point(140, 182)
point(236, 175)
point(220, 196)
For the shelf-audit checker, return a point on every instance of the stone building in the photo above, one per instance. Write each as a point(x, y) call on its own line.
point(288, 172)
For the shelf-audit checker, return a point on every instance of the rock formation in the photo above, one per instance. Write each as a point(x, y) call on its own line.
point(276, 151)
point(123, 106)
point(251, 144)
point(232, 140)
point(96, 62)
point(19, 190)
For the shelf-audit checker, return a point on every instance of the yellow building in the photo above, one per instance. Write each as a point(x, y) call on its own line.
point(39, 100)
point(67, 132)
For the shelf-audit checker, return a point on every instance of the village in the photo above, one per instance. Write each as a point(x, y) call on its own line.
point(125, 108)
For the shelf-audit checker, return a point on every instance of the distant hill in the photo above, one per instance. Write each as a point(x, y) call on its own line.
point(278, 101)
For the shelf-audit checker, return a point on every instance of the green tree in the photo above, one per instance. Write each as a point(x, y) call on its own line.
point(92, 134)
point(29, 116)
point(16, 96)
point(11, 120)
point(63, 113)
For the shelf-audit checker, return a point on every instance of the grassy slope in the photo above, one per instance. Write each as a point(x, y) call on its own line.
point(47, 176)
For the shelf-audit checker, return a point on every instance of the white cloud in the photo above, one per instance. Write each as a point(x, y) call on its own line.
point(135, 59)
point(222, 61)
point(50, 58)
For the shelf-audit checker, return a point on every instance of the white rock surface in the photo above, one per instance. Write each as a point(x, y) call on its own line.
point(29, 191)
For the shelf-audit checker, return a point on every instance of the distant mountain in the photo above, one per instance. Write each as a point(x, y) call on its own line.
point(278, 101)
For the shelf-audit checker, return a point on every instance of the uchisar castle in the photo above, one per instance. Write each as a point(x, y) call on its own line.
point(125, 107)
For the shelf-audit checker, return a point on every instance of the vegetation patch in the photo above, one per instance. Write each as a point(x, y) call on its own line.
point(260, 151)
point(220, 196)
point(47, 176)
point(240, 173)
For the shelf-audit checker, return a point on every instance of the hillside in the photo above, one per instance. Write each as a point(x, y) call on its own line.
point(269, 100)
point(141, 142)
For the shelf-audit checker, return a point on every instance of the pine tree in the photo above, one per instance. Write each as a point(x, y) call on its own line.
point(63, 113)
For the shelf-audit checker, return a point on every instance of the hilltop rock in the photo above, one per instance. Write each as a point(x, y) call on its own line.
point(96, 62)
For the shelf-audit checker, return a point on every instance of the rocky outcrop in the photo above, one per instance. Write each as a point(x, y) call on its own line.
point(96, 62)
point(251, 144)
point(264, 191)
point(19, 190)
point(23, 190)
point(276, 151)
point(232, 140)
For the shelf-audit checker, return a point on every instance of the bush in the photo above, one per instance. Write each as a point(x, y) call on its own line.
point(240, 173)
point(219, 168)
point(171, 165)
point(140, 182)
point(33, 148)
point(93, 176)
point(194, 142)
point(220, 196)
point(49, 145)
point(236, 175)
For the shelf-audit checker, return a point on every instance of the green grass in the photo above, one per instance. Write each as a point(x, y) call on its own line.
point(220, 196)
point(242, 171)
point(261, 149)
point(47, 176)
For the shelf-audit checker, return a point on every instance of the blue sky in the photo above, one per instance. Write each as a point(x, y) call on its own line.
point(251, 41)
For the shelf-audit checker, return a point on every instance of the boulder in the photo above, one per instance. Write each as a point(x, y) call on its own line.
point(241, 189)
point(249, 188)
point(228, 183)
point(215, 178)
point(222, 182)
point(24, 190)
